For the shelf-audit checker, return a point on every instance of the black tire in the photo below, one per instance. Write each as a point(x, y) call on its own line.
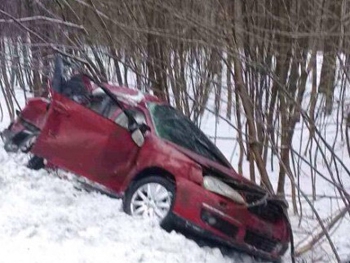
point(36, 163)
point(169, 186)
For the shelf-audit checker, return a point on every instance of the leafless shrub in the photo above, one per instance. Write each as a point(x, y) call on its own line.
point(259, 59)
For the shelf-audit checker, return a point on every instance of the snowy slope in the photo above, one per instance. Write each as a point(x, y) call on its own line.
point(45, 219)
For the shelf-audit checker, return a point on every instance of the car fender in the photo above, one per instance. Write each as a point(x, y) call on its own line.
point(157, 154)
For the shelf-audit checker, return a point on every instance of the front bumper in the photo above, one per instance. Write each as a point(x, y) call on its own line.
point(208, 238)
point(216, 218)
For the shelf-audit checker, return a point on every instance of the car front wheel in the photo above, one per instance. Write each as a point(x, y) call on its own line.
point(150, 197)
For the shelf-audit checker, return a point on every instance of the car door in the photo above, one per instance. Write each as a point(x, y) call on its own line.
point(82, 141)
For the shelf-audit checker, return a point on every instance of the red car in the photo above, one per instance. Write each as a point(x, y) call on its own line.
point(134, 146)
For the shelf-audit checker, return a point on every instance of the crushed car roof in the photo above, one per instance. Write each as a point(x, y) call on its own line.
point(131, 96)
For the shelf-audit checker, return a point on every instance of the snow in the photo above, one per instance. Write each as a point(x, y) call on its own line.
point(328, 201)
point(132, 98)
point(45, 219)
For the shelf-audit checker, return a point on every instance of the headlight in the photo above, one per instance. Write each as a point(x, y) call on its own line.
point(215, 185)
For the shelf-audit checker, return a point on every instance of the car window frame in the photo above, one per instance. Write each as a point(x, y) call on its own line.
point(219, 156)
point(119, 112)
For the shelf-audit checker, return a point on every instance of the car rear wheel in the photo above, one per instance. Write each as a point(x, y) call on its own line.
point(150, 197)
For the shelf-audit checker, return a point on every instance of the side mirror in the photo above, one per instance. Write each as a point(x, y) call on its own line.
point(137, 137)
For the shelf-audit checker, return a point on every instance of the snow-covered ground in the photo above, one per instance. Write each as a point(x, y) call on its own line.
point(328, 201)
point(45, 219)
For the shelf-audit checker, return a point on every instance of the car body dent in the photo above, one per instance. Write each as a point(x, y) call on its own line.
point(191, 197)
point(35, 111)
point(168, 159)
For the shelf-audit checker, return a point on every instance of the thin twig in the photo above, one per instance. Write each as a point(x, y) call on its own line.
point(41, 18)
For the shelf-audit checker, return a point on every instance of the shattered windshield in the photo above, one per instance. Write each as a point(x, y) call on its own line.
point(173, 126)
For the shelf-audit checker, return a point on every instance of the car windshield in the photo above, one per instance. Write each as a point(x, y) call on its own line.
point(173, 126)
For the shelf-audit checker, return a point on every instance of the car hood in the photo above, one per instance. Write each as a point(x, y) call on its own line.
point(211, 165)
point(229, 174)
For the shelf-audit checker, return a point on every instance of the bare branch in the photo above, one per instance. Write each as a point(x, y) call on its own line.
point(41, 18)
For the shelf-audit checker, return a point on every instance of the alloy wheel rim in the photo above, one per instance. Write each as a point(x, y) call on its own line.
point(151, 200)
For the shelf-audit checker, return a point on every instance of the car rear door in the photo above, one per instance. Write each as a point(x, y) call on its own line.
point(80, 140)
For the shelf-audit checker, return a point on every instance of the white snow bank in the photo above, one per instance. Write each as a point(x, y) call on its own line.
point(45, 219)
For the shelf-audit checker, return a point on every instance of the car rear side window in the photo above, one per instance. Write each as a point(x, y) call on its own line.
point(102, 104)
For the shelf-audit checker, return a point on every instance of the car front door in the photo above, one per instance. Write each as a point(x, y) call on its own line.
point(82, 141)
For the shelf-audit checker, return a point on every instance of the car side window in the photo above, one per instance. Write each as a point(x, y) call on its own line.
point(123, 121)
point(96, 103)
point(102, 104)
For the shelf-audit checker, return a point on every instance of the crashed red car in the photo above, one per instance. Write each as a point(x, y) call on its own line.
point(134, 146)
